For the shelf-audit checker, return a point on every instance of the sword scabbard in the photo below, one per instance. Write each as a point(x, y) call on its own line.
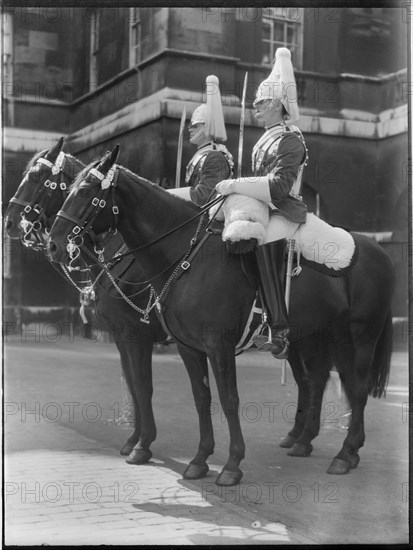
point(180, 147)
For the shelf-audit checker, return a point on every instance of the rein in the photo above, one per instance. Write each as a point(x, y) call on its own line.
point(202, 211)
point(154, 300)
point(84, 225)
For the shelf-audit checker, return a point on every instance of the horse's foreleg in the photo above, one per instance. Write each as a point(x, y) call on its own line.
point(139, 366)
point(127, 372)
point(223, 365)
point(197, 366)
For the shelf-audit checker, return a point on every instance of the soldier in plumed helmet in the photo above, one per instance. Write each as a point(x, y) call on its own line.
point(278, 160)
point(212, 161)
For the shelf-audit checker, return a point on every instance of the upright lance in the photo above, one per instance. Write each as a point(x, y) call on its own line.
point(180, 145)
point(241, 127)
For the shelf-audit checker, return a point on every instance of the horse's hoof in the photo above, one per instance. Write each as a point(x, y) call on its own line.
point(127, 448)
point(227, 478)
point(288, 442)
point(195, 471)
point(139, 456)
point(299, 449)
point(339, 467)
point(354, 460)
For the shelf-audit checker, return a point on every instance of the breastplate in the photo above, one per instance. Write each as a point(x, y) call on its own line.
point(267, 146)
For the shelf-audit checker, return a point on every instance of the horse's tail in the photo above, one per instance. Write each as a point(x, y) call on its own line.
point(382, 359)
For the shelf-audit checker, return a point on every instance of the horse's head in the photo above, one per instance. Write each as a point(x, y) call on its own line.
point(39, 196)
point(89, 210)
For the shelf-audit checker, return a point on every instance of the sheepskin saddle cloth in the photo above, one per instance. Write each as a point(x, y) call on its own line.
point(329, 249)
point(245, 222)
point(245, 226)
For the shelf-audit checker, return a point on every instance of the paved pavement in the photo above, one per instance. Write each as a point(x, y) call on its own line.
point(65, 482)
point(88, 496)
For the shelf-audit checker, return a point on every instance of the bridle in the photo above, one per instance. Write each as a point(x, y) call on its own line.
point(39, 228)
point(83, 225)
point(39, 202)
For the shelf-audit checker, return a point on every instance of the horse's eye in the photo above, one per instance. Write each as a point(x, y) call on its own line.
point(83, 191)
point(34, 177)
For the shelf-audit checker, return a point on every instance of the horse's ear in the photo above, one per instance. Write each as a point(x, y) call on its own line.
point(109, 160)
point(115, 153)
point(54, 151)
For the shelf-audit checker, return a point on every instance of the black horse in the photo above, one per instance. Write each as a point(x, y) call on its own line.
point(29, 216)
point(205, 300)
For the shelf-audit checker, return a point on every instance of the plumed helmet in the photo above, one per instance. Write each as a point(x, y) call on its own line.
point(211, 112)
point(199, 114)
point(281, 85)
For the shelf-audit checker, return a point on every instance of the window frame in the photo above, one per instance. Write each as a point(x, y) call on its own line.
point(272, 16)
point(7, 47)
point(94, 50)
point(135, 30)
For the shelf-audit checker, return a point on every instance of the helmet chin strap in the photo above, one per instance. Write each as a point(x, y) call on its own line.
point(271, 105)
point(199, 137)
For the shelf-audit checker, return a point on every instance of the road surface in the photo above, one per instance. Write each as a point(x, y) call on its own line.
point(64, 474)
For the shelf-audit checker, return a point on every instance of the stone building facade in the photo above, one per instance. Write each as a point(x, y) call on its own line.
point(122, 75)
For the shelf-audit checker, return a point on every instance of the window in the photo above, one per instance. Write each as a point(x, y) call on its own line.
point(135, 37)
point(7, 48)
point(94, 49)
point(7, 61)
point(282, 27)
point(109, 53)
point(7, 251)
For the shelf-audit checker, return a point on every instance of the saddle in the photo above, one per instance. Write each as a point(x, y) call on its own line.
point(318, 245)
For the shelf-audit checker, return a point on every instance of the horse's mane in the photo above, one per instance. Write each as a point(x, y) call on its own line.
point(136, 179)
point(81, 175)
point(33, 160)
point(71, 157)
point(158, 189)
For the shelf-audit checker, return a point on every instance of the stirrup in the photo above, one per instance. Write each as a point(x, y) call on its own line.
point(278, 351)
point(278, 346)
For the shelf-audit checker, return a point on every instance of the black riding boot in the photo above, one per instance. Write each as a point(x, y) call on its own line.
point(270, 258)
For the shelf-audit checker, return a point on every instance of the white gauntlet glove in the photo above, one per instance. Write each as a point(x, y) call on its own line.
point(255, 187)
point(225, 187)
point(183, 192)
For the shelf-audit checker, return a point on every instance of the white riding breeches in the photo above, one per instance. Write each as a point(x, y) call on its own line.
point(182, 192)
point(280, 227)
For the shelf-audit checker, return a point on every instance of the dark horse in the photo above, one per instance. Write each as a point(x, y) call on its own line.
point(29, 216)
point(206, 299)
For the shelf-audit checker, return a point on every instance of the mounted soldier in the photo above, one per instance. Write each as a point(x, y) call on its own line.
point(278, 160)
point(212, 161)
